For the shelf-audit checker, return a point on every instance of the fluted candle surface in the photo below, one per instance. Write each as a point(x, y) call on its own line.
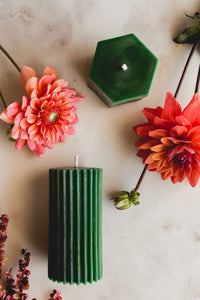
point(75, 225)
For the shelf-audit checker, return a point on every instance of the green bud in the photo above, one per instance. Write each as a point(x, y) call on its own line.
point(189, 35)
point(8, 133)
point(134, 198)
point(121, 200)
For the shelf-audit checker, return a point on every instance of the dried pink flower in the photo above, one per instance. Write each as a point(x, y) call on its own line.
point(46, 116)
point(9, 288)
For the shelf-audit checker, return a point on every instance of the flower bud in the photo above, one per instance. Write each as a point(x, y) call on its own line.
point(134, 197)
point(121, 200)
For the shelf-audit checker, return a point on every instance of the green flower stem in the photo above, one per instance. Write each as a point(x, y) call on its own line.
point(140, 179)
point(3, 100)
point(10, 58)
point(197, 82)
point(16, 66)
point(185, 69)
point(175, 95)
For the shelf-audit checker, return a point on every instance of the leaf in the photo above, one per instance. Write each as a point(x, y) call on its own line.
point(196, 16)
point(189, 35)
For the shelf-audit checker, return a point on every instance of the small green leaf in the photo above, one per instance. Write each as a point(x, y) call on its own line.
point(8, 133)
point(189, 35)
point(196, 16)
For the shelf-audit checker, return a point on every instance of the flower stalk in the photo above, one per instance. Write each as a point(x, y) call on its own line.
point(122, 200)
point(3, 100)
point(10, 58)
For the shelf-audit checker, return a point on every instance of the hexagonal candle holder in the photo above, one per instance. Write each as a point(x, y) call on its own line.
point(122, 70)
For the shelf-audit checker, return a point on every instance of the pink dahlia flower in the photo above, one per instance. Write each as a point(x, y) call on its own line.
point(46, 116)
point(170, 140)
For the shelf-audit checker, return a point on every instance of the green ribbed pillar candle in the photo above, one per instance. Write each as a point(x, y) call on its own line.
point(75, 225)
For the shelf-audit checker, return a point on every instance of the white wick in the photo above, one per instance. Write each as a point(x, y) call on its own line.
point(124, 67)
point(76, 161)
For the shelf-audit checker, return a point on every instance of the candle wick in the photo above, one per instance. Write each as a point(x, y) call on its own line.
point(76, 161)
point(124, 67)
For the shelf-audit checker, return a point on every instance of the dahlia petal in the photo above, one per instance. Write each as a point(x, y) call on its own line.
point(143, 130)
point(192, 110)
point(43, 85)
point(167, 174)
point(43, 129)
point(61, 96)
point(49, 135)
point(40, 149)
point(37, 154)
point(25, 103)
point(23, 134)
point(172, 108)
point(25, 74)
point(31, 144)
point(167, 141)
point(162, 123)
point(13, 109)
point(76, 99)
point(34, 94)
point(151, 113)
point(195, 173)
point(24, 124)
point(178, 131)
point(163, 166)
point(32, 84)
point(37, 138)
point(71, 92)
point(29, 110)
point(148, 144)
point(156, 156)
point(4, 117)
point(20, 144)
point(181, 174)
point(182, 121)
point(194, 134)
point(48, 144)
point(49, 70)
point(74, 119)
point(33, 129)
point(149, 159)
point(61, 84)
point(15, 132)
point(18, 118)
point(141, 141)
point(143, 154)
point(70, 130)
point(158, 148)
point(61, 139)
point(35, 104)
point(189, 149)
point(31, 118)
point(158, 133)
point(153, 166)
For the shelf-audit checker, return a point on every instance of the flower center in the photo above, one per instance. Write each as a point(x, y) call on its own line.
point(50, 116)
point(181, 157)
point(53, 117)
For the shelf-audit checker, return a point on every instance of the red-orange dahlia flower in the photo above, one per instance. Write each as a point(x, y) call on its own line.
point(170, 140)
point(46, 115)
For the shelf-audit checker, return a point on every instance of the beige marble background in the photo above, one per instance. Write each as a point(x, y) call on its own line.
point(151, 252)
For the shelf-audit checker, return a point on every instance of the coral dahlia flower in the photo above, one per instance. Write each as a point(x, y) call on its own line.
point(170, 140)
point(46, 116)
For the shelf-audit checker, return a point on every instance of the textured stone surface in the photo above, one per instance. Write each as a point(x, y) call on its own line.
point(151, 251)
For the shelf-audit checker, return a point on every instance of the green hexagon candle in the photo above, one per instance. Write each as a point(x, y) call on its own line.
point(122, 70)
point(75, 225)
